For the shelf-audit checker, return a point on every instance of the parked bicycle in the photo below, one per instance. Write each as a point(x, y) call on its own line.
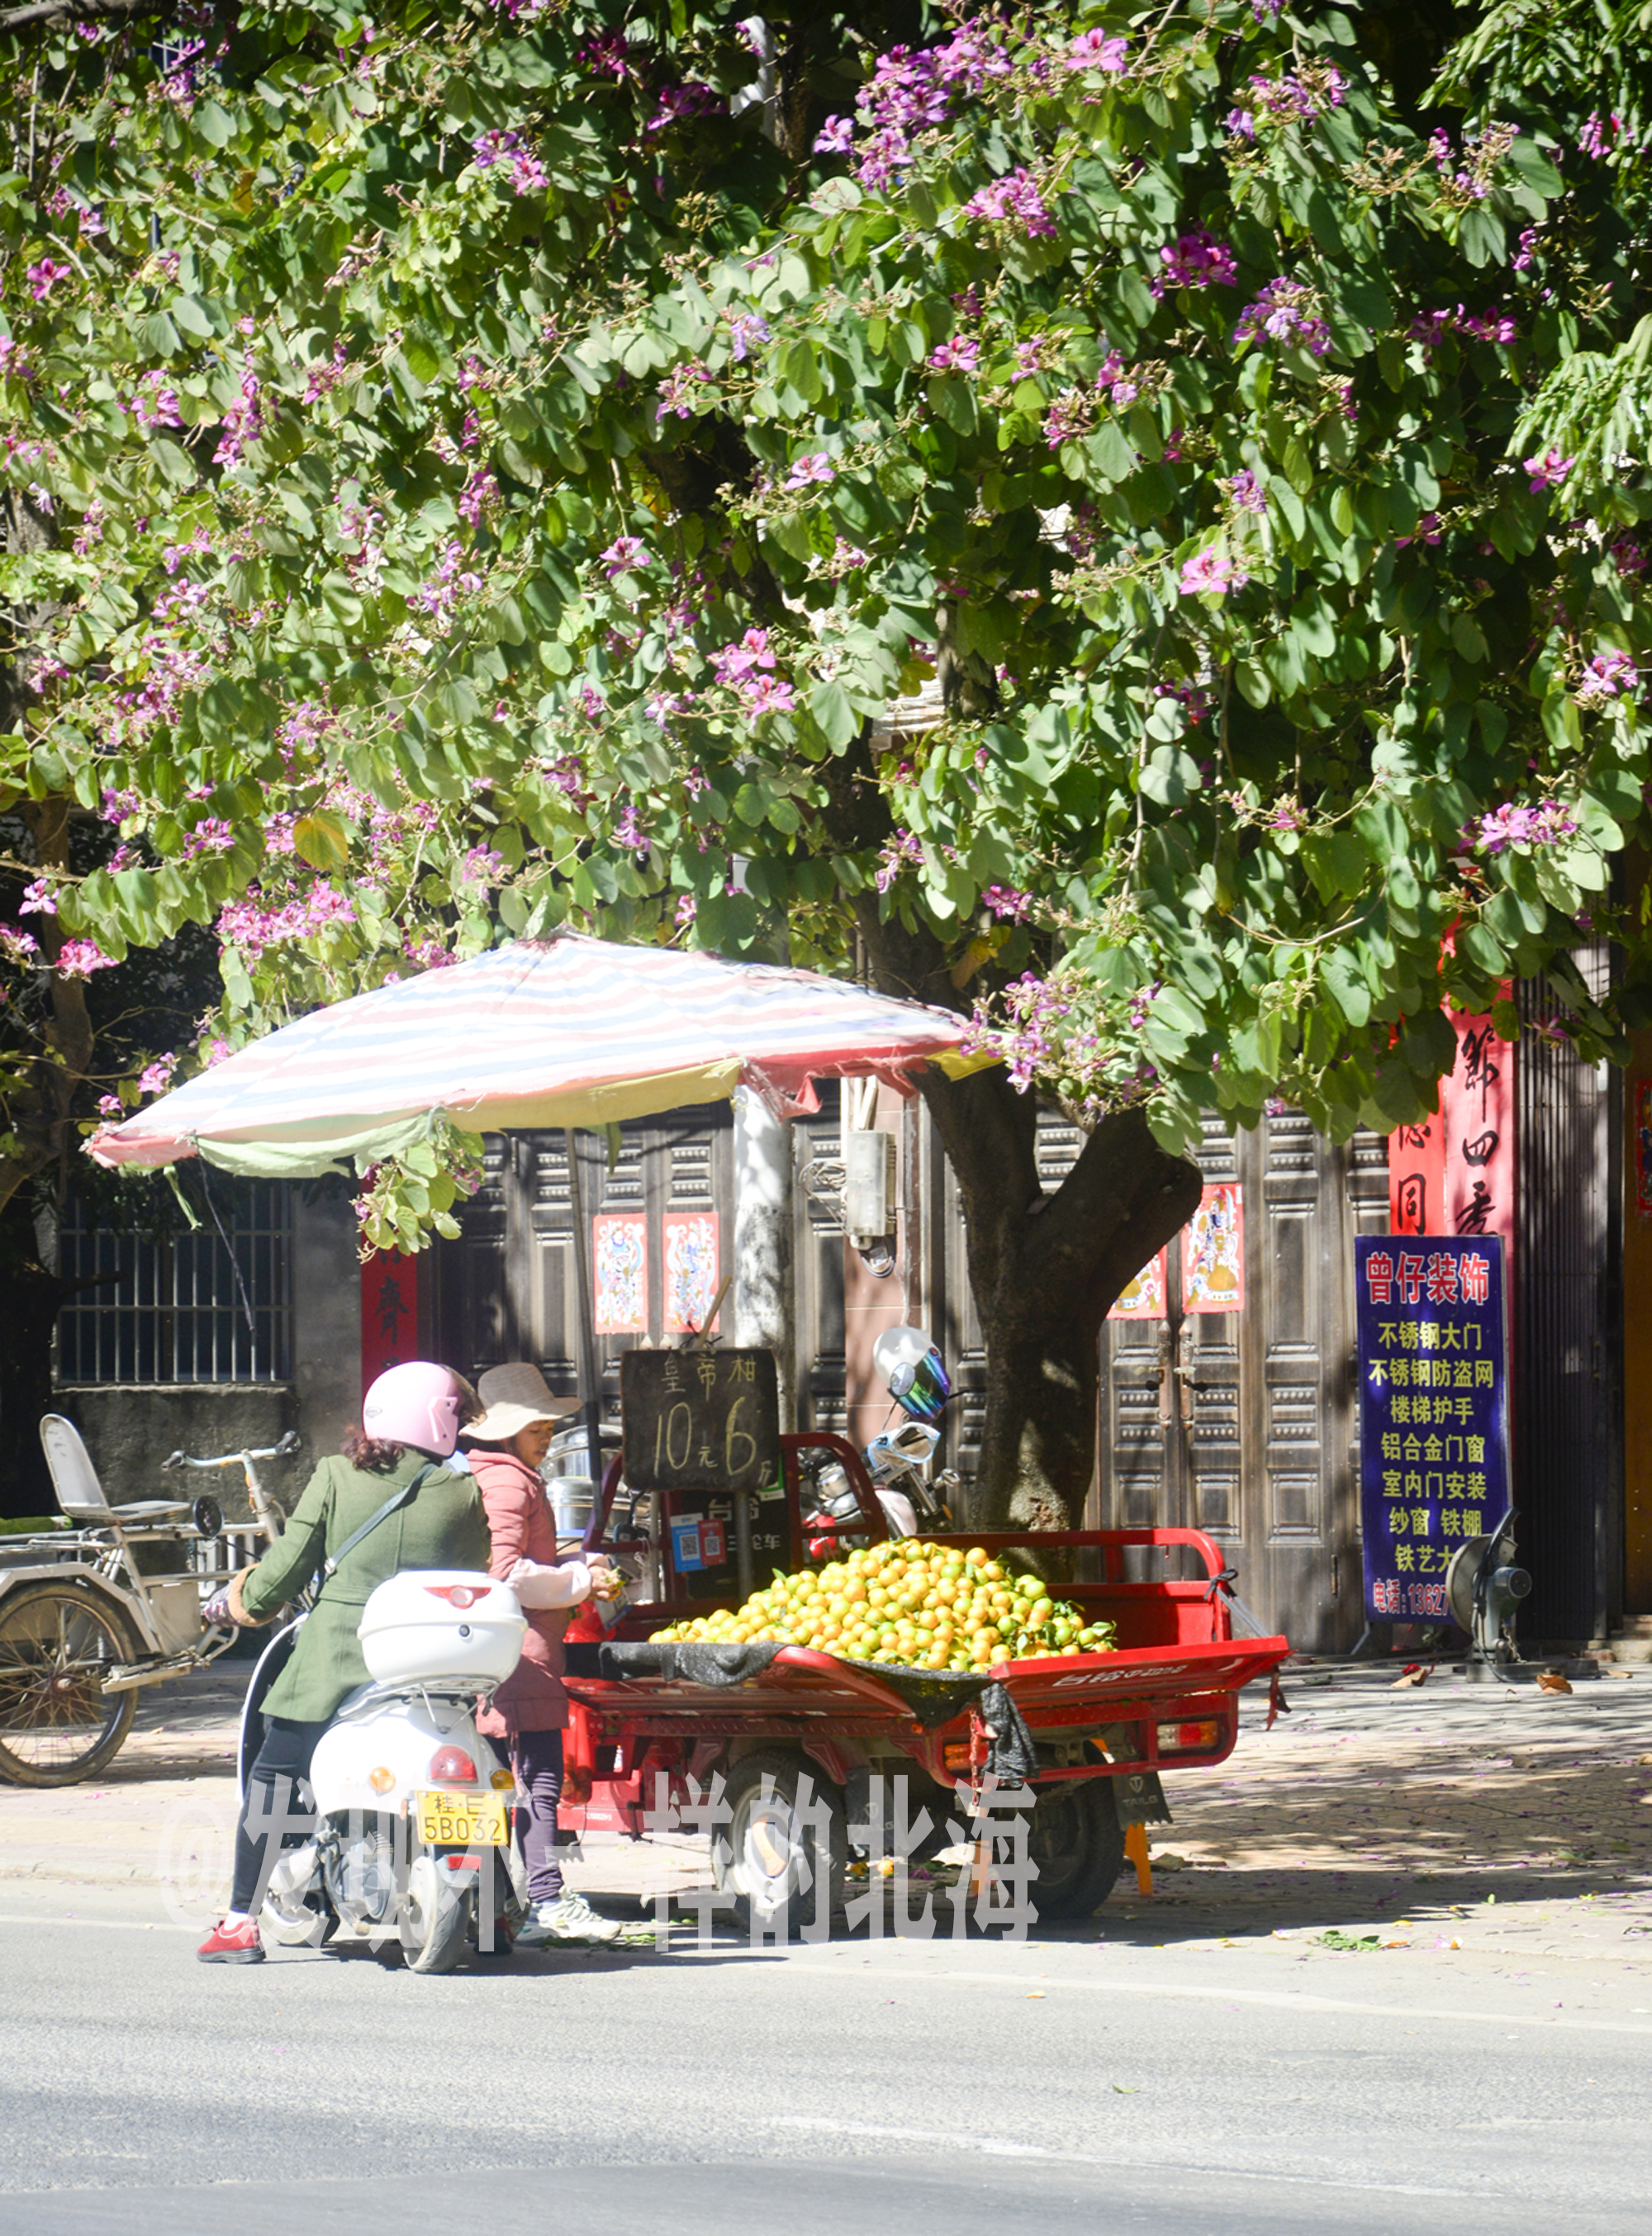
point(85, 1625)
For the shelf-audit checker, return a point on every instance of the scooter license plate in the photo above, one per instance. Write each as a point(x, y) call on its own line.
point(462, 1820)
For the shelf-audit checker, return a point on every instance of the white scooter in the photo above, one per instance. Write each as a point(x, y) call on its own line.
point(411, 1849)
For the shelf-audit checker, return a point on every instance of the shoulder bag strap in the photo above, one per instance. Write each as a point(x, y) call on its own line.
point(402, 1497)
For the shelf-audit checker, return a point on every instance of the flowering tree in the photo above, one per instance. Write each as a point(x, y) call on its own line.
point(471, 473)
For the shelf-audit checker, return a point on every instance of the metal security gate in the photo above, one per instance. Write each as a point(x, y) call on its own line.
point(1241, 1423)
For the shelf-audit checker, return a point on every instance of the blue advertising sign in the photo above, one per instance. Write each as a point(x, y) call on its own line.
point(1433, 1440)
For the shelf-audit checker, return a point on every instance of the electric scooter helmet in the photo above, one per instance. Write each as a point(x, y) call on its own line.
point(418, 1404)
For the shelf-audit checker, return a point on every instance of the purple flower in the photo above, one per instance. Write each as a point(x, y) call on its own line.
point(1607, 674)
point(961, 354)
point(1545, 824)
point(109, 1106)
point(38, 899)
point(1428, 531)
point(1431, 327)
point(1286, 311)
point(1549, 470)
point(835, 137)
point(44, 276)
point(628, 834)
point(679, 102)
point(1114, 377)
point(78, 958)
point(1006, 904)
point(20, 947)
point(625, 552)
point(1068, 417)
point(1030, 354)
point(902, 851)
point(155, 404)
point(482, 865)
point(154, 1078)
point(607, 54)
point(1595, 137)
point(1210, 573)
point(767, 694)
point(493, 148)
point(1097, 51)
point(733, 661)
point(1247, 492)
point(1242, 123)
point(687, 908)
point(1015, 200)
point(212, 836)
point(529, 175)
point(251, 927)
point(1196, 259)
point(814, 467)
point(746, 331)
point(676, 391)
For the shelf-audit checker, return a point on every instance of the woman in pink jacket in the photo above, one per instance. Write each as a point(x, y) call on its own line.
point(529, 1711)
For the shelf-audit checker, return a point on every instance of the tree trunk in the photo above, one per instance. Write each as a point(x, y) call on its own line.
point(1044, 1270)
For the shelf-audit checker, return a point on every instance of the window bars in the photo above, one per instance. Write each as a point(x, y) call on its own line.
point(172, 1309)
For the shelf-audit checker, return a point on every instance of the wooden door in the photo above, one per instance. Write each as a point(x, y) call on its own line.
point(507, 1288)
point(1242, 1423)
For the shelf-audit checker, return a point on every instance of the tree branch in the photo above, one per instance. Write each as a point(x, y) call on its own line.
point(44, 11)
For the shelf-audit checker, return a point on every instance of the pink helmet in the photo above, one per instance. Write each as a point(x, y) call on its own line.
point(418, 1404)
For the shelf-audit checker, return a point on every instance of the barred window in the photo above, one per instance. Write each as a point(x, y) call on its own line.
point(172, 1309)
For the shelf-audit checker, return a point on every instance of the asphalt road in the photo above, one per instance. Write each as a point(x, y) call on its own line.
point(1074, 2082)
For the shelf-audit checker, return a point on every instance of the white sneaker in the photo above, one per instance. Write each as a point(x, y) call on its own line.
point(570, 1917)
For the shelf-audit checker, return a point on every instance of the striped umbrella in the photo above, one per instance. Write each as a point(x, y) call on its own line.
point(567, 1032)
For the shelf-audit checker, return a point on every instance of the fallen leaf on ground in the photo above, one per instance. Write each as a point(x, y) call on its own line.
point(1416, 1675)
point(1035, 1994)
point(1550, 1681)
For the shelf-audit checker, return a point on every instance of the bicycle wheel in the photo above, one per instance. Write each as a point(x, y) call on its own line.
point(57, 1643)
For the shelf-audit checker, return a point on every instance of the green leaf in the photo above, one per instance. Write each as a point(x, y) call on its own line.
point(322, 839)
point(213, 125)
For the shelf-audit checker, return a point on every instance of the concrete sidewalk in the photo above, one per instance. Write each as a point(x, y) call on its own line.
point(1503, 1820)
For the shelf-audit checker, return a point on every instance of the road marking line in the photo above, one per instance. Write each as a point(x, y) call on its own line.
point(995, 2146)
point(1296, 2000)
point(105, 1925)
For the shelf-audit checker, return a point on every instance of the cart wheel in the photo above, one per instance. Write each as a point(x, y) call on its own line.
point(57, 1725)
point(1078, 1845)
point(433, 1918)
point(787, 1830)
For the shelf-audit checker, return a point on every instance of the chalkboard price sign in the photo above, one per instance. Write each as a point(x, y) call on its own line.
point(700, 1420)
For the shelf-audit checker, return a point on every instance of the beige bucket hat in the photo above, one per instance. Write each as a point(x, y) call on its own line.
point(512, 1398)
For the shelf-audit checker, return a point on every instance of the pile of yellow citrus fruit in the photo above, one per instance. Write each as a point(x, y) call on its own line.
point(918, 1605)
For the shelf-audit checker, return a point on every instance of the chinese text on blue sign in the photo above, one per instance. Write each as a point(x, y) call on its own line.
point(1433, 1454)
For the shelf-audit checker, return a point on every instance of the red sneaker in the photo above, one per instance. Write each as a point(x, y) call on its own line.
point(232, 1944)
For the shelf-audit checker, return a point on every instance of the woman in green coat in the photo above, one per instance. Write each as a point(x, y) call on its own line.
point(410, 1422)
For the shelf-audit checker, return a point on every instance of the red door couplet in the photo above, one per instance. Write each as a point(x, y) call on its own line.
point(389, 1313)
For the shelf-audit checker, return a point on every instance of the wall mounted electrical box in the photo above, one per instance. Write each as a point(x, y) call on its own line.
point(871, 1185)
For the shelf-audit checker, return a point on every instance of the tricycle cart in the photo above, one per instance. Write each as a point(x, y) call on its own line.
point(1102, 1727)
point(85, 1623)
